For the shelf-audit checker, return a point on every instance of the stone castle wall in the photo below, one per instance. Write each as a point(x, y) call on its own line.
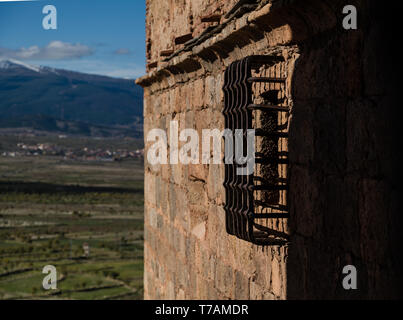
point(167, 20)
point(342, 191)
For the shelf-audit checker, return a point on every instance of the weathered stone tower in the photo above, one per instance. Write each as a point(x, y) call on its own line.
point(342, 188)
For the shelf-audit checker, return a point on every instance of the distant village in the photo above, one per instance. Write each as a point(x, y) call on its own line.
point(84, 154)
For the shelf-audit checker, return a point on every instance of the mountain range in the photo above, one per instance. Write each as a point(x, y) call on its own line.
point(49, 99)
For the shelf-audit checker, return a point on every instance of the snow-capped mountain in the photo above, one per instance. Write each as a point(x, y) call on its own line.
point(11, 63)
point(27, 90)
point(15, 64)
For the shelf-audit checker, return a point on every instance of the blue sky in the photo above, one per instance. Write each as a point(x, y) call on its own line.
point(94, 36)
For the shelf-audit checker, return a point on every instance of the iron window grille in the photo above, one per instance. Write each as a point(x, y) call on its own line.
point(256, 203)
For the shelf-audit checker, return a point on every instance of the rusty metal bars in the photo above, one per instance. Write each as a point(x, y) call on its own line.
point(240, 190)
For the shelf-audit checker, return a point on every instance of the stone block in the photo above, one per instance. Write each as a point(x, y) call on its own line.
point(241, 288)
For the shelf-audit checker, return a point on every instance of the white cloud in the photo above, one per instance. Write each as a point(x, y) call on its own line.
point(64, 55)
point(131, 72)
point(112, 69)
point(122, 51)
point(55, 50)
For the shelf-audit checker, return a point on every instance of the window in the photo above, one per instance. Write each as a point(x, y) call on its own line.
point(255, 97)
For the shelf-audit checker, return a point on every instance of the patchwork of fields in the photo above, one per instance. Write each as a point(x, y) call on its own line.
point(50, 207)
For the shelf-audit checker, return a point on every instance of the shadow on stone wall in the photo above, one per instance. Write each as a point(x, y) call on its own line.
point(344, 168)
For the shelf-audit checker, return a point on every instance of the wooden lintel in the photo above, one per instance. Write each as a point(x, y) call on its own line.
point(211, 18)
point(183, 39)
point(152, 65)
point(166, 53)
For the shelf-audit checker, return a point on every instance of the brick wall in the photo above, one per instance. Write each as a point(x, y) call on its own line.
point(342, 191)
point(169, 19)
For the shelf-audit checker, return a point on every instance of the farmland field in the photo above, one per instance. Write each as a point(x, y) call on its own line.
point(50, 206)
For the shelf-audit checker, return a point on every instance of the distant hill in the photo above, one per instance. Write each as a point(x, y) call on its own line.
point(44, 98)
